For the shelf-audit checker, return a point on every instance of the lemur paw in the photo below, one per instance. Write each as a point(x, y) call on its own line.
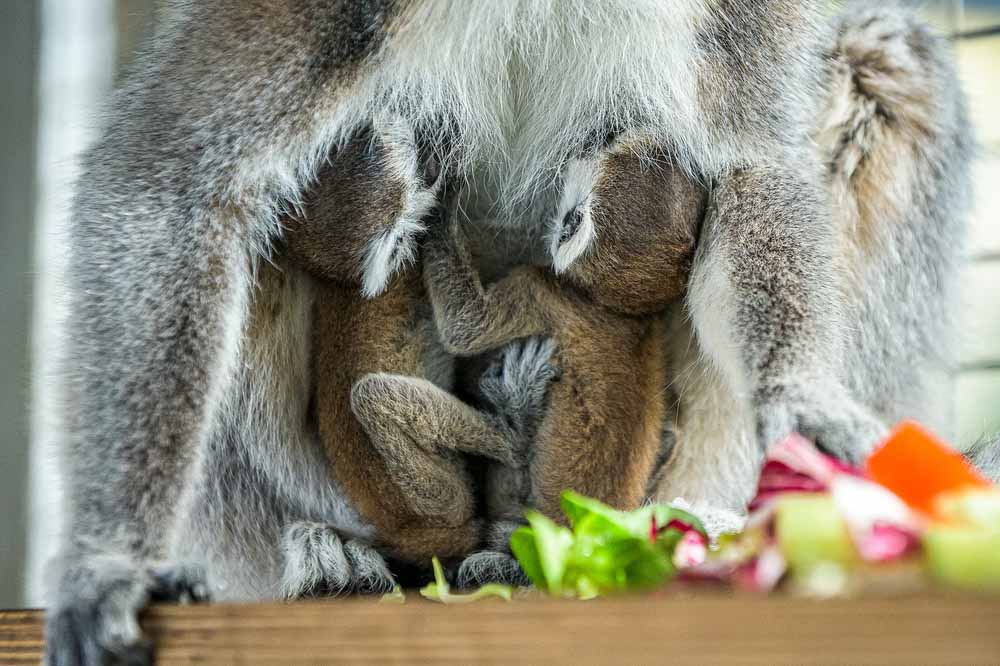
point(94, 619)
point(516, 383)
point(182, 583)
point(496, 564)
point(318, 562)
point(839, 425)
point(491, 566)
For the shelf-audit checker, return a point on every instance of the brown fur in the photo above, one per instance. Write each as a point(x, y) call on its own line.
point(393, 440)
point(601, 432)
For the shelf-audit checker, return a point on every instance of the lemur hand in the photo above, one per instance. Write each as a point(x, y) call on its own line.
point(94, 619)
point(825, 414)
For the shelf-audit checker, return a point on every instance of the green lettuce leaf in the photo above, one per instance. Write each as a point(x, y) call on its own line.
point(440, 591)
point(606, 551)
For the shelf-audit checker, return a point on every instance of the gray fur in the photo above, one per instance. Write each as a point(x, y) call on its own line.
point(515, 382)
point(185, 373)
point(985, 455)
point(319, 563)
point(881, 272)
point(515, 385)
point(496, 564)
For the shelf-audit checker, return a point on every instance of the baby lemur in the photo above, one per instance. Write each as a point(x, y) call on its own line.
point(392, 431)
point(622, 246)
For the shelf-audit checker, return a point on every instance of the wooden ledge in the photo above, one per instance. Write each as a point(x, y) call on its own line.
point(677, 629)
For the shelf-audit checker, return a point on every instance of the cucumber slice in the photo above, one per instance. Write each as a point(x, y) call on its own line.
point(977, 506)
point(967, 557)
point(810, 531)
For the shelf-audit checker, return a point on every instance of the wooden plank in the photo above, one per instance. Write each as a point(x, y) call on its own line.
point(676, 629)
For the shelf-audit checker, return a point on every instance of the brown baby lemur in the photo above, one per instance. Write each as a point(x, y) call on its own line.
point(393, 432)
point(622, 245)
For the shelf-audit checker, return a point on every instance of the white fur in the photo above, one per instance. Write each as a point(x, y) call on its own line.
point(578, 190)
point(716, 440)
point(380, 264)
point(593, 65)
point(397, 247)
point(713, 311)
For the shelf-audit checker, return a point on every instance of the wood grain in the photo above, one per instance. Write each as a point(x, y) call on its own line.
point(677, 629)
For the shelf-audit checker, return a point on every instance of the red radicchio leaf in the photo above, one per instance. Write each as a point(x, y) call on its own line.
point(762, 573)
point(777, 476)
point(691, 551)
point(802, 456)
point(885, 542)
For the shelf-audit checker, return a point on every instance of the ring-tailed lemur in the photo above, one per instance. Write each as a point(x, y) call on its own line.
point(821, 294)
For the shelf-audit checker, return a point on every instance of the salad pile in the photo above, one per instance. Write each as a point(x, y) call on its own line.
point(915, 510)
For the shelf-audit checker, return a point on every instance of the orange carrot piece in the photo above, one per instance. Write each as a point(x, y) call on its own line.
point(917, 466)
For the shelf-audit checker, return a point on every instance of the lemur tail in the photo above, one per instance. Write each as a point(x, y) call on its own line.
point(894, 120)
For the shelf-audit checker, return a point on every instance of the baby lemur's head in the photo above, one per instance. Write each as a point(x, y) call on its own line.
point(364, 219)
point(626, 228)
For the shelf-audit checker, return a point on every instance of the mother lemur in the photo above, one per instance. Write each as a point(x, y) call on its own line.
point(821, 299)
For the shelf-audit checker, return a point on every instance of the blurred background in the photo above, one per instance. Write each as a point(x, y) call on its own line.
point(59, 60)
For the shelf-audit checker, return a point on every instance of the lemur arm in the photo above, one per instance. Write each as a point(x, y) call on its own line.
point(472, 319)
point(177, 200)
point(765, 302)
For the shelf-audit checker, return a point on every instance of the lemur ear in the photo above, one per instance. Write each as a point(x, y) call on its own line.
point(573, 230)
point(388, 254)
point(395, 248)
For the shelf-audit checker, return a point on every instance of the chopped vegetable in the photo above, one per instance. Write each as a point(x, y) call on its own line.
point(964, 549)
point(397, 596)
point(916, 507)
point(918, 467)
point(810, 530)
point(606, 550)
point(882, 526)
point(967, 557)
point(439, 590)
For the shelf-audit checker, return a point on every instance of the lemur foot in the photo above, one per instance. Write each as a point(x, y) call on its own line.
point(318, 562)
point(491, 566)
point(94, 619)
point(517, 380)
point(496, 564)
point(837, 423)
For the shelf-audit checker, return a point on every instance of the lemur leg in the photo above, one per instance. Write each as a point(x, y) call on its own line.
point(715, 459)
point(414, 426)
point(767, 353)
point(176, 200)
point(472, 319)
point(897, 143)
point(320, 561)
